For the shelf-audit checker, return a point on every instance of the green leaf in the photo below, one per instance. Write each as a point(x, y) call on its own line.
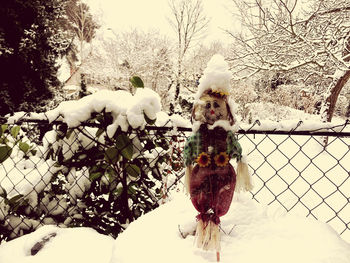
point(131, 189)
point(95, 176)
point(148, 120)
point(5, 152)
point(112, 155)
point(14, 131)
point(117, 192)
point(3, 193)
point(133, 170)
point(137, 212)
point(15, 199)
point(93, 169)
point(4, 140)
point(99, 132)
point(123, 143)
point(3, 128)
point(137, 82)
point(24, 147)
point(69, 133)
point(111, 173)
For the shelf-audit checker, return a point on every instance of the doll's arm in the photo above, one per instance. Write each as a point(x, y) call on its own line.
point(188, 160)
point(234, 149)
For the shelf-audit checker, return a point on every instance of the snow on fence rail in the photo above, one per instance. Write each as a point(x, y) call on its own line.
point(53, 174)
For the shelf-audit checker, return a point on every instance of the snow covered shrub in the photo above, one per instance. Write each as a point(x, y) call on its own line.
point(97, 167)
point(23, 174)
point(107, 181)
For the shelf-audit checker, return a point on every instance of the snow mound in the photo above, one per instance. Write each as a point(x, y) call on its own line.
point(64, 245)
point(253, 233)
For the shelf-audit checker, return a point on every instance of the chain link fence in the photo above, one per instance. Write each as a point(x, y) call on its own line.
point(295, 171)
point(52, 174)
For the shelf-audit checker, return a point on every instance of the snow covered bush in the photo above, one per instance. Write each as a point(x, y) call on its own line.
point(23, 174)
point(97, 167)
point(107, 181)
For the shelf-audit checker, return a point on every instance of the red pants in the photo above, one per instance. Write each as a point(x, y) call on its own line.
point(211, 190)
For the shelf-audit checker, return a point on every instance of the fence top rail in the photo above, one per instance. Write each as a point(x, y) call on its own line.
point(341, 130)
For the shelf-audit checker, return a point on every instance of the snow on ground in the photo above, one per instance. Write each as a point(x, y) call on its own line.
point(251, 233)
point(68, 246)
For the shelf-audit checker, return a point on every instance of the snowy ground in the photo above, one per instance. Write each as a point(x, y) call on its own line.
point(251, 233)
point(69, 245)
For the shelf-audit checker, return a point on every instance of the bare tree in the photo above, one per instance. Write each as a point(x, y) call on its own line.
point(310, 41)
point(189, 23)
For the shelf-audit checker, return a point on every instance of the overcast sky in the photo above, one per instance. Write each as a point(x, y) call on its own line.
point(146, 14)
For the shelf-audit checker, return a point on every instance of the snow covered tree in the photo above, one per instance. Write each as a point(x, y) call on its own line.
point(117, 57)
point(30, 42)
point(310, 42)
point(101, 65)
point(189, 23)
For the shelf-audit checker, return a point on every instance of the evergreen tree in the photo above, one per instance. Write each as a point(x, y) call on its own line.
point(30, 42)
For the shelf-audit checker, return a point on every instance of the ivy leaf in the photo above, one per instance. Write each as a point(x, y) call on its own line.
point(5, 152)
point(149, 120)
point(3, 140)
point(132, 190)
point(99, 132)
point(14, 131)
point(3, 193)
point(3, 129)
point(69, 133)
point(137, 82)
point(124, 145)
point(95, 176)
point(112, 155)
point(133, 170)
point(15, 199)
point(117, 192)
point(24, 147)
point(137, 212)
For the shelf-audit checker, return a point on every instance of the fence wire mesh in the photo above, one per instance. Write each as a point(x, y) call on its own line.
point(50, 174)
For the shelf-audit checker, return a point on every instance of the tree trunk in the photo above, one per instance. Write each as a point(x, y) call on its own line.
point(331, 100)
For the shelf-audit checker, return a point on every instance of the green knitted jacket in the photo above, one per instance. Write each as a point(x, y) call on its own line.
point(195, 145)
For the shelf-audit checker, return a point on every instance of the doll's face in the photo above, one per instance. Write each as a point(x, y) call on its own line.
point(211, 110)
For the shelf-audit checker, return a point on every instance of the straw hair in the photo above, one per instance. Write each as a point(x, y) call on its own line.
point(244, 182)
point(208, 235)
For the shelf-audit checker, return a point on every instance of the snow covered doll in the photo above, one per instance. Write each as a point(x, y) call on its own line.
point(210, 178)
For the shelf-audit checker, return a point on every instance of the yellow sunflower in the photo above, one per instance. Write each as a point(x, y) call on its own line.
point(203, 159)
point(221, 159)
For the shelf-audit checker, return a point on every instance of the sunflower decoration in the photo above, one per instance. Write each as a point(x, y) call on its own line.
point(203, 159)
point(221, 159)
